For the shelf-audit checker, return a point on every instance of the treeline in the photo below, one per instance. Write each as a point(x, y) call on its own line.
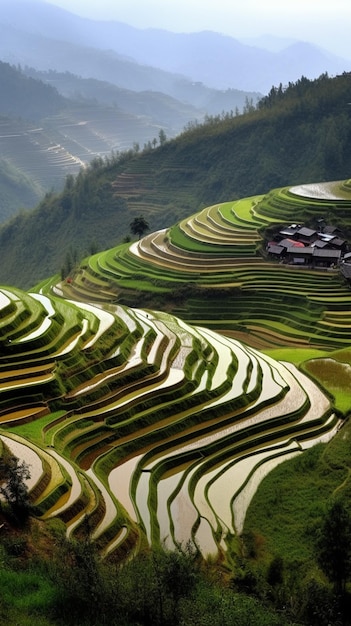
point(297, 134)
point(311, 96)
point(22, 96)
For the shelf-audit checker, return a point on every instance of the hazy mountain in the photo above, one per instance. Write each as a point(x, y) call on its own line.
point(114, 95)
point(111, 102)
point(45, 136)
point(273, 43)
point(221, 61)
point(71, 43)
point(53, 39)
point(195, 99)
point(26, 97)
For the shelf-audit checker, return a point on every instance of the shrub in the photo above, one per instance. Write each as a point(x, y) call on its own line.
point(14, 474)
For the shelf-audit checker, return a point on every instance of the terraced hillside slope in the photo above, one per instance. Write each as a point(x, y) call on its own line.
point(157, 431)
point(213, 269)
point(53, 125)
point(153, 430)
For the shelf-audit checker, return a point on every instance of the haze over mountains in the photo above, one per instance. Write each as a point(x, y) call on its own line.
point(117, 87)
point(64, 41)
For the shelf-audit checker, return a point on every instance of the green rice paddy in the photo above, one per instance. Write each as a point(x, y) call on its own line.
point(138, 419)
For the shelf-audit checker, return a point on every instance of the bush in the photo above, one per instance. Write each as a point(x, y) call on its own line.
point(14, 489)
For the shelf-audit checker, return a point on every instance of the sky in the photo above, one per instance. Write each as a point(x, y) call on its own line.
point(323, 22)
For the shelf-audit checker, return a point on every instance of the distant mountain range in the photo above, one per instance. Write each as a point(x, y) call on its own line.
point(110, 103)
point(53, 123)
point(116, 87)
point(48, 37)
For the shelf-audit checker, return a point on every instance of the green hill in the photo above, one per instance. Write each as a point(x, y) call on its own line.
point(26, 97)
point(214, 269)
point(298, 134)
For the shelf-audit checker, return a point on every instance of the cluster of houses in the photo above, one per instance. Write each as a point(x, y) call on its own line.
point(299, 245)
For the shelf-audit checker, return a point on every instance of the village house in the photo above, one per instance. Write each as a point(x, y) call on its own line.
point(298, 245)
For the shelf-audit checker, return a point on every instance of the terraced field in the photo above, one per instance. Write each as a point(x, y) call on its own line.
point(64, 143)
point(45, 157)
point(212, 269)
point(155, 430)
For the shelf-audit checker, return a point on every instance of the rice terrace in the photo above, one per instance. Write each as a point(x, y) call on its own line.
point(153, 389)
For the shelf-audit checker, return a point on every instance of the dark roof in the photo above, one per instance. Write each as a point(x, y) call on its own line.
point(316, 252)
point(345, 269)
point(320, 244)
point(338, 242)
point(305, 251)
point(331, 254)
point(347, 256)
point(329, 230)
point(306, 232)
point(275, 249)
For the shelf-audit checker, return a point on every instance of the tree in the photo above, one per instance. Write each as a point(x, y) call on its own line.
point(14, 474)
point(334, 545)
point(162, 137)
point(77, 574)
point(154, 585)
point(139, 226)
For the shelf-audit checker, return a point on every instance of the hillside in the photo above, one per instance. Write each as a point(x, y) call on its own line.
point(45, 136)
point(16, 189)
point(155, 430)
point(141, 396)
point(191, 101)
point(216, 268)
point(298, 134)
point(52, 124)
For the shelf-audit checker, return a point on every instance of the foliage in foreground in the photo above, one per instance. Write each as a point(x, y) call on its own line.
point(156, 588)
point(13, 476)
point(298, 535)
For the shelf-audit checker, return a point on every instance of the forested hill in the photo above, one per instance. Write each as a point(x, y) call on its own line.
point(297, 134)
point(26, 97)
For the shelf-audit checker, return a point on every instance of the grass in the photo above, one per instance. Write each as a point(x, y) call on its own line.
point(335, 377)
point(27, 597)
point(287, 509)
point(241, 212)
point(34, 431)
point(294, 355)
